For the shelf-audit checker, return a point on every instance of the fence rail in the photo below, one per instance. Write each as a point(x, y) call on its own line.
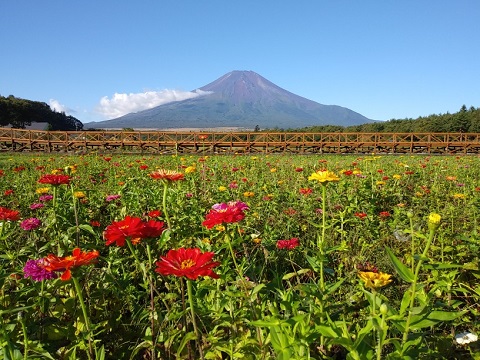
point(166, 142)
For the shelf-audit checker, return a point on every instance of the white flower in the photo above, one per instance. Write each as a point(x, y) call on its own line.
point(465, 338)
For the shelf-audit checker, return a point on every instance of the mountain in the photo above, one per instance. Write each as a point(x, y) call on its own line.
point(241, 99)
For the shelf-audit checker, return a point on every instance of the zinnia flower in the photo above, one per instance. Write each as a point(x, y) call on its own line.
point(230, 212)
point(190, 263)
point(36, 206)
point(55, 180)
point(9, 215)
point(35, 269)
point(42, 191)
point(288, 244)
point(30, 224)
point(65, 263)
point(110, 198)
point(118, 231)
point(374, 280)
point(324, 177)
point(167, 175)
point(132, 228)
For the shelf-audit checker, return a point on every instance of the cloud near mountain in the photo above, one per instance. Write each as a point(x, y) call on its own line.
point(121, 104)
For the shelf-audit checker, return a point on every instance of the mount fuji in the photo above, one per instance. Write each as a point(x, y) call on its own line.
point(238, 99)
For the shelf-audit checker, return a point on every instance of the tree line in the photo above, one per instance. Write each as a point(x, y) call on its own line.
point(465, 120)
point(19, 113)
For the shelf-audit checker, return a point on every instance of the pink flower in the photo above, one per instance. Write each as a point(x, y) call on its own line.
point(35, 269)
point(37, 206)
point(30, 224)
point(110, 198)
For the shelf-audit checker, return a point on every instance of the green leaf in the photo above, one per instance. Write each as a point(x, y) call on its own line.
point(188, 336)
point(433, 318)
point(299, 272)
point(87, 228)
point(404, 272)
point(327, 331)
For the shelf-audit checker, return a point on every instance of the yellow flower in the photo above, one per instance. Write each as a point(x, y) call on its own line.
point(280, 182)
point(222, 188)
point(459, 196)
point(43, 190)
point(434, 221)
point(190, 169)
point(79, 194)
point(248, 194)
point(380, 183)
point(220, 228)
point(374, 280)
point(56, 171)
point(272, 170)
point(324, 176)
point(397, 177)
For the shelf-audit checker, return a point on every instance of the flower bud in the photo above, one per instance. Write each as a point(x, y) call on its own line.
point(383, 309)
point(434, 221)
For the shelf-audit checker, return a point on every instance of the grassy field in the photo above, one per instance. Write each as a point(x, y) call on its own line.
point(253, 257)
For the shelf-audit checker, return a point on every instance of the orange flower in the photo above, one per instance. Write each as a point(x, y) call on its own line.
point(168, 175)
point(65, 263)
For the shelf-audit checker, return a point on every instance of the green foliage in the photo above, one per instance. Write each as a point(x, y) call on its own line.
point(20, 113)
point(465, 120)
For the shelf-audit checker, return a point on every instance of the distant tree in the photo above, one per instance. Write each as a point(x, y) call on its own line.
point(20, 113)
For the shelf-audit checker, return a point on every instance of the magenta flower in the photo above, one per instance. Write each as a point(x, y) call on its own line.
point(110, 198)
point(45, 198)
point(35, 269)
point(37, 206)
point(30, 224)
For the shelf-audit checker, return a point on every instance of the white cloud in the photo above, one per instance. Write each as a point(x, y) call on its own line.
point(56, 106)
point(121, 104)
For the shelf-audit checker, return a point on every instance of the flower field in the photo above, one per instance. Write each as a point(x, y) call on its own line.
point(239, 257)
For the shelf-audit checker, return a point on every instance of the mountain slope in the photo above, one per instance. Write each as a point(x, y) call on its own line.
point(241, 99)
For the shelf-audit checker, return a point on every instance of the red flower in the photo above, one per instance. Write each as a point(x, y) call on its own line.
point(154, 213)
point(305, 191)
point(2, 172)
point(168, 175)
point(143, 167)
point(298, 169)
point(152, 229)
point(117, 232)
point(8, 192)
point(348, 172)
point(288, 244)
point(78, 258)
point(55, 180)
point(360, 215)
point(384, 214)
point(190, 263)
point(9, 215)
point(95, 223)
point(132, 228)
point(231, 212)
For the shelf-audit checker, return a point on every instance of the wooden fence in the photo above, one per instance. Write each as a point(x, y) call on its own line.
point(166, 142)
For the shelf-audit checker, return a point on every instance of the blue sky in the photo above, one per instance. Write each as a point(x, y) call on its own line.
point(99, 59)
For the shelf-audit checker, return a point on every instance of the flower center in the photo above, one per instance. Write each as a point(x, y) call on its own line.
point(187, 264)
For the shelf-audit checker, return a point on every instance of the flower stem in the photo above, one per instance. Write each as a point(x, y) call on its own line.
point(194, 322)
point(164, 204)
point(414, 286)
point(91, 345)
